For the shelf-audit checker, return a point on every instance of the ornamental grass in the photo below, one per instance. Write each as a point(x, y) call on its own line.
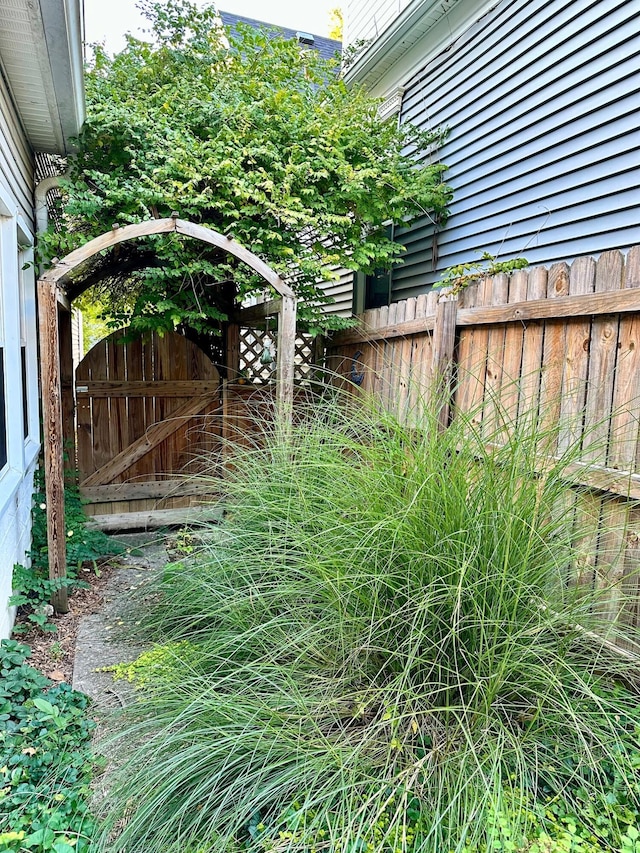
point(383, 650)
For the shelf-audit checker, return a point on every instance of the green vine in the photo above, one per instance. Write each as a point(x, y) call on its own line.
point(458, 277)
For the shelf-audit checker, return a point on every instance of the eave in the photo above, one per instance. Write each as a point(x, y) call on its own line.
point(421, 28)
point(42, 62)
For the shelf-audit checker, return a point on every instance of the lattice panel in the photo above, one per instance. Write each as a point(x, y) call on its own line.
point(252, 347)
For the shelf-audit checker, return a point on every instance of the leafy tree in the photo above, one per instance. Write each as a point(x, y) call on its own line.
point(251, 136)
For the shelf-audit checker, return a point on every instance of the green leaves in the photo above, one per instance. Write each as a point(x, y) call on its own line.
point(45, 760)
point(255, 137)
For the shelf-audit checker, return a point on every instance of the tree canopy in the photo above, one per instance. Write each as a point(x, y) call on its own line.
point(252, 136)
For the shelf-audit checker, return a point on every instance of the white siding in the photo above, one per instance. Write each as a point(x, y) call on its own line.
point(542, 102)
point(17, 330)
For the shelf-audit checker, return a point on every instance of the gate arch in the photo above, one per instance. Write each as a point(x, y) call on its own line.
point(51, 294)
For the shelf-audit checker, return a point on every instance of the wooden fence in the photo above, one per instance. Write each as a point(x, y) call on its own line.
point(560, 344)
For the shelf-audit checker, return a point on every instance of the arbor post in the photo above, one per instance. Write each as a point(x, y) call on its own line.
point(286, 356)
point(53, 438)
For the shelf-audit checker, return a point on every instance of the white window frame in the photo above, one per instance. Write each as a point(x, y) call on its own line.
point(20, 452)
point(28, 337)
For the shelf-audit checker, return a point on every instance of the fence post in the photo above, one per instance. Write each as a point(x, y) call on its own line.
point(444, 339)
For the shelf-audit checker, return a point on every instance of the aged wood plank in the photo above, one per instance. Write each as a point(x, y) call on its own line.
point(491, 415)
point(154, 435)
point(537, 309)
point(531, 369)
point(609, 571)
point(512, 363)
point(444, 339)
point(467, 298)
point(400, 368)
point(585, 305)
point(552, 361)
point(153, 519)
point(626, 392)
point(101, 412)
point(362, 334)
point(132, 388)
point(286, 356)
point(152, 489)
point(53, 438)
point(136, 405)
point(576, 362)
point(66, 383)
point(602, 361)
point(254, 313)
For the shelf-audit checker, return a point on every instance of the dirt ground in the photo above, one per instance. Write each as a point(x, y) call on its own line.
point(91, 627)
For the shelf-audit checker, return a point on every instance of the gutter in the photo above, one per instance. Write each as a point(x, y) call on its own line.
point(386, 45)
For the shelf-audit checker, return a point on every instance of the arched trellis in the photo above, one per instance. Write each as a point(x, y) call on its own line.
point(51, 293)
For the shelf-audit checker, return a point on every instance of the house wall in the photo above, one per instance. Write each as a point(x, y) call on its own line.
point(541, 99)
point(18, 344)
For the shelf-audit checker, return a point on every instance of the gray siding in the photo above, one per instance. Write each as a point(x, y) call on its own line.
point(16, 158)
point(342, 292)
point(543, 104)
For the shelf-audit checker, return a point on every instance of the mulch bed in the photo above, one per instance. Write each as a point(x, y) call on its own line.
point(52, 653)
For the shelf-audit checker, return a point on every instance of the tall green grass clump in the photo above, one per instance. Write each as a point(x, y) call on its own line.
point(383, 652)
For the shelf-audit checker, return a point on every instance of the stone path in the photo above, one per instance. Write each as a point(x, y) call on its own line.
point(102, 637)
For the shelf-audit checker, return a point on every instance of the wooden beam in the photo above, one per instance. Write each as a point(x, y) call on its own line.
point(228, 244)
point(53, 438)
point(154, 519)
point(232, 351)
point(582, 305)
point(396, 330)
point(153, 489)
point(141, 388)
point(154, 436)
point(285, 359)
point(254, 313)
point(166, 226)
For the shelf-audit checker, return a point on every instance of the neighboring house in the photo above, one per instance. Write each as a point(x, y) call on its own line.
point(41, 108)
point(326, 47)
point(542, 102)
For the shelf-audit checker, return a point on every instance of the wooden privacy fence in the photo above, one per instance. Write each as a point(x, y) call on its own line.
point(559, 344)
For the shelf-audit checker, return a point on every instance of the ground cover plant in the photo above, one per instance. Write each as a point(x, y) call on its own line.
point(46, 761)
point(33, 588)
point(382, 653)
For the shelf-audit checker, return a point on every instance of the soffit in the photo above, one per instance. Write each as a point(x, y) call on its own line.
point(409, 27)
point(41, 60)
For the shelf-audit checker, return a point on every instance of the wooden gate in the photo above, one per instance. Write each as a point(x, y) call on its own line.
point(148, 419)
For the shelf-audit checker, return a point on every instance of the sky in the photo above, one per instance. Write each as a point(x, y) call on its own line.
point(108, 20)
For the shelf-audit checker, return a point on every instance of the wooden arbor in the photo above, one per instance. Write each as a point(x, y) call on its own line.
point(51, 294)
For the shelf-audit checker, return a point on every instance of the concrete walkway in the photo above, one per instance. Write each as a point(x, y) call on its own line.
point(102, 637)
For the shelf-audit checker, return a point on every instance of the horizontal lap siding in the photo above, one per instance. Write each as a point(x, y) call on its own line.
point(541, 100)
point(341, 291)
point(16, 159)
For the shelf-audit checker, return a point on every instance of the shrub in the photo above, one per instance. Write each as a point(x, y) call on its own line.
point(389, 658)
